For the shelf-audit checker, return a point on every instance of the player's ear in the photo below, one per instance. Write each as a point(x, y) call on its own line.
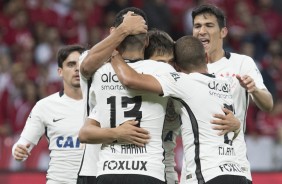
point(223, 32)
point(60, 72)
point(147, 41)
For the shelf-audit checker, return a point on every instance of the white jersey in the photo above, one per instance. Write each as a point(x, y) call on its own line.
point(170, 132)
point(60, 118)
point(115, 105)
point(228, 67)
point(206, 154)
point(89, 160)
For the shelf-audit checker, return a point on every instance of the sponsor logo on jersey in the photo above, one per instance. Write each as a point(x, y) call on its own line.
point(219, 86)
point(125, 165)
point(230, 167)
point(220, 89)
point(109, 77)
point(67, 142)
point(55, 120)
point(112, 82)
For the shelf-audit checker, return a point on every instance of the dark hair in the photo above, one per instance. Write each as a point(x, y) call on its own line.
point(131, 41)
point(120, 14)
point(65, 51)
point(160, 43)
point(189, 53)
point(210, 9)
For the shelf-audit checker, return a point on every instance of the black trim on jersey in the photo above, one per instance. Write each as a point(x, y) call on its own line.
point(132, 60)
point(88, 112)
point(88, 89)
point(245, 117)
point(195, 129)
point(82, 160)
point(209, 75)
point(61, 93)
point(180, 120)
point(46, 134)
point(164, 149)
point(227, 54)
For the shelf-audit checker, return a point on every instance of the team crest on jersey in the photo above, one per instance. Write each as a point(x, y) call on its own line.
point(231, 77)
point(170, 115)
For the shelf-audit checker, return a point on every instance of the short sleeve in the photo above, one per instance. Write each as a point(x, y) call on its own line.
point(250, 68)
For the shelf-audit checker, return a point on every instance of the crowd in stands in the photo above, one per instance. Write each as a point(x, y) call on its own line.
point(31, 31)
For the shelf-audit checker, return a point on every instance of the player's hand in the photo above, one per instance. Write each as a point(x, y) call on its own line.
point(225, 122)
point(21, 152)
point(247, 82)
point(129, 133)
point(134, 24)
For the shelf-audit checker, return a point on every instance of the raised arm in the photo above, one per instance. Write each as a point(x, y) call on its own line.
point(92, 133)
point(131, 79)
point(102, 51)
point(261, 97)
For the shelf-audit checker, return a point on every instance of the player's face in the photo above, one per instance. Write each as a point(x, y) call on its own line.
point(206, 28)
point(70, 70)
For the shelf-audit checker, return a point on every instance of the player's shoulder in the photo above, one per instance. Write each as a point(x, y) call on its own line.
point(82, 56)
point(49, 99)
point(157, 66)
point(106, 66)
point(235, 57)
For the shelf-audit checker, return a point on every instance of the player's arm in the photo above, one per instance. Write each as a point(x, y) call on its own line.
point(226, 122)
point(102, 51)
point(262, 97)
point(92, 133)
point(33, 130)
point(131, 79)
point(21, 149)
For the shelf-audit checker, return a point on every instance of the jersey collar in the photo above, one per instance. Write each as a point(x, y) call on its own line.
point(227, 54)
point(132, 60)
point(61, 93)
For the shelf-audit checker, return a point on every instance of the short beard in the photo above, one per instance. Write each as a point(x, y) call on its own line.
point(76, 85)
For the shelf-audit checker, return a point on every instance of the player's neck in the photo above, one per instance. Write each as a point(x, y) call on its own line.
point(74, 93)
point(203, 70)
point(133, 55)
point(215, 56)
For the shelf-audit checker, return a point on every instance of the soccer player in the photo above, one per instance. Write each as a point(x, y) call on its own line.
point(58, 116)
point(209, 25)
point(130, 25)
point(209, 158)
point(121, 163)
point(161, 48)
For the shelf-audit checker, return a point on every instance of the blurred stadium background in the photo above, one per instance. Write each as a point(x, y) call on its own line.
point(31, 32)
